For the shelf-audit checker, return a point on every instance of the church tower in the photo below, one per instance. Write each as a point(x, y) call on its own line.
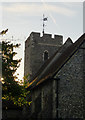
point(38, 49)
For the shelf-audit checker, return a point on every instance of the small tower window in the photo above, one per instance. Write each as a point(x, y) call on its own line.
point(45, 56)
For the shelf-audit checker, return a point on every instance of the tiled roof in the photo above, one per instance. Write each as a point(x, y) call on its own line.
point(56, 62)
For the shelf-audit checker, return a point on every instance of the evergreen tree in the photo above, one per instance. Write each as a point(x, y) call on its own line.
point(9, 67)
point(11, 89)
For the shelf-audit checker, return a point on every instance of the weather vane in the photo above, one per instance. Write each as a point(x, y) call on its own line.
point(44, 19)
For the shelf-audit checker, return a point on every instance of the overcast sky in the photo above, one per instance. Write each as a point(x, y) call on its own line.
point(21, 18)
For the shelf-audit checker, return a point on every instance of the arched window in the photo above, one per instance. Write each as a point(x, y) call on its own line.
point(45, 55)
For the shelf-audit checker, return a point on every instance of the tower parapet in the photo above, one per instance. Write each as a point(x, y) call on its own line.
point(46, 38)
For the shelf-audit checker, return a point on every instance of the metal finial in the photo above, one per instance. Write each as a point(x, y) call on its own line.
point(44, 19)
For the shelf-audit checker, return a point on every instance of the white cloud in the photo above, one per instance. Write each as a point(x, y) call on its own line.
point(37, 9)
point(40, 0)
point(27, 8)
point(61, 10)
